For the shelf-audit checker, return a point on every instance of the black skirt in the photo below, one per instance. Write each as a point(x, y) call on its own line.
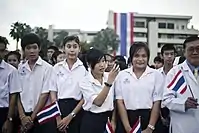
point(3, 117)
point(66, 107)
point(94, 122)
point(133, 116)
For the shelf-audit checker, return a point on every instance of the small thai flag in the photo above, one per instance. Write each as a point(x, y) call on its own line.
point(109, 128)
point(136, 127)
point(49, 112)
point(178, 83)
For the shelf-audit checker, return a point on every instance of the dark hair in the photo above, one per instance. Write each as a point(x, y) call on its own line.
point(54, 48)
point(121, 61)
point(136, 47)
point(71, 38)
point(17, 54)
point(54, 56)
point(181, 60)
point(30, 38)
point(158, 59)
point(190, 39)
point(82, 57)
point(94, 56)
point(168, 47)
point(4, 40)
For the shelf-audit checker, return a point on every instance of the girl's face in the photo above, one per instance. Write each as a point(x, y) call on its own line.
point(12, 59)
point(140, 59)
point(100, 67)
point(60, 57)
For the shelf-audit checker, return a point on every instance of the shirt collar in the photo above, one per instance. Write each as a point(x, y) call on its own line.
point(93, 80)
point(2, 64)
point(147, 70)
point(76, 64)
point(191, 66)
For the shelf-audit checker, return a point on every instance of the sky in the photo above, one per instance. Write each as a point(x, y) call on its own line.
point(84, 14)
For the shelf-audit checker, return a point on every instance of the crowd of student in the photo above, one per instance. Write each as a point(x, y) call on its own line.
point(94, 87)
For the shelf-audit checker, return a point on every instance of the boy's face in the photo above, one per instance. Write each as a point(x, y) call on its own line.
point(32, 51)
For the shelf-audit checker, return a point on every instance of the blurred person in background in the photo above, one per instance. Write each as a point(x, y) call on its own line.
point(57, 57)
point(158, 62)
point(110, 62)
point(13, 58)
point(50, 52)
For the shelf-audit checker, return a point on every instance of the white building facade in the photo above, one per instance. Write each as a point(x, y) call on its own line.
point(156, 30)
point(84, 36)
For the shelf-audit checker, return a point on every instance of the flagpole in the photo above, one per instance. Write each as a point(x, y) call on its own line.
point(187, 83)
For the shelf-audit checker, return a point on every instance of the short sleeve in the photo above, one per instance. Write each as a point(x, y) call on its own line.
point(47, 80)
point(118, 88)
point(53, 79)
point(88, 92)
point(14, 82)
point(159, 87)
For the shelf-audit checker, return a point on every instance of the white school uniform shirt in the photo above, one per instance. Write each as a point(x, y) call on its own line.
point(65, 81)
point(139, 93)
point(90, 88)
point(34, 82)
point(182, 121)
point(9, 83)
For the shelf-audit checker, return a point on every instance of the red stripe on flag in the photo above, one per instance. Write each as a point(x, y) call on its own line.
point(110, 127)
point(183, 90)
point(48, 106)
point(132, 28)
point(174, 79)
point(115, 27)
point(135, 125)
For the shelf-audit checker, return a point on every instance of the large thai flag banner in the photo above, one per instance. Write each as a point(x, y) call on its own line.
point(123, 24)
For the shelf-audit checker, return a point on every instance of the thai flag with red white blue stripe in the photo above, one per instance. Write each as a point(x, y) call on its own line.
point(109, 128)
point(136, 127)
point(49, 112)
point(124, 27)
point(178, 83)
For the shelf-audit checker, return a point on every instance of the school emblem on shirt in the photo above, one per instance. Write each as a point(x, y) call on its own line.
point(23, 71)
point(126, 81)
point(60, 74)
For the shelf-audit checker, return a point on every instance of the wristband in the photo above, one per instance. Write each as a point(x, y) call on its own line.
point(151, 127)
point(107, 84)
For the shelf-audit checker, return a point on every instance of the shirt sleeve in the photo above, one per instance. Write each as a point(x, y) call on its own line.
point(47, 80)
point(159, 85)
point(53, 81)
point(118, 88)
point(171, 99)
point(14, 82)
point(88, 92)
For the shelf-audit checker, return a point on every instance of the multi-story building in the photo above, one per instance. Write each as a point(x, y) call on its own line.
point(155, 30)
point(85, 36)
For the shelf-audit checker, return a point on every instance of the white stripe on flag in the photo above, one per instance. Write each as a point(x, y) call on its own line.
point(46, 110)
point(49, 116)
point(175, 82)
point(137, 128)
point(181, 87)
point(128, 37)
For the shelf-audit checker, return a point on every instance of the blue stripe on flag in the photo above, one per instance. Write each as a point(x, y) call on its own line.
point(55, 109)
point(179, 84)
point(123, 34)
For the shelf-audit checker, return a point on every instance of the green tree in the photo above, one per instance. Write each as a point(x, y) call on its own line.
point(59, 38)
point(45, 43)
point(84, 46)
point(106, 40)
point(18, 30)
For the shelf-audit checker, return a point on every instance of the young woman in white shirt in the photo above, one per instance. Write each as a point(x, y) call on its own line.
point(98, 93)
point(138, 92)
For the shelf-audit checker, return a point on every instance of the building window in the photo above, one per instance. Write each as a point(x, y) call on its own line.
point(139, 24)
point(162, 25)
point(170, 26)
point(170, 36)
point(182, 27)
point(139, 34)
